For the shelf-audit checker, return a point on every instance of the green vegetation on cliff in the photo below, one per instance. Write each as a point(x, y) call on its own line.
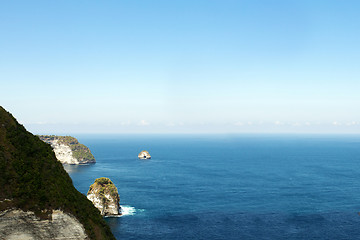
point(32, 179)
point(105, 186)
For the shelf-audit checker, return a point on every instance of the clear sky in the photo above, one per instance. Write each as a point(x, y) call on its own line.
point(181, 66)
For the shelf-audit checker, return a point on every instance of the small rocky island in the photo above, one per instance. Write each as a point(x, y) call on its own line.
point(68, 150)
point(105, 197)
point(144, 155)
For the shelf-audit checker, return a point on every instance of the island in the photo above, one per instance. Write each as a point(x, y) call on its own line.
point(105, 197)
point(38, 199)
point(144, 155)
point(68, 150)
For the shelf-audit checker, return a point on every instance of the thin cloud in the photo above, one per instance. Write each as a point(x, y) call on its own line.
point(239, 124)
point(144, 123)
point(336, 123)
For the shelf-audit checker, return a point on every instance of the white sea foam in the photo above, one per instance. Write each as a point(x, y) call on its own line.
point(127, 210)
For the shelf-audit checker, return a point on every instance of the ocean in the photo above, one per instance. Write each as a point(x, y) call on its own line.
point(229, 186)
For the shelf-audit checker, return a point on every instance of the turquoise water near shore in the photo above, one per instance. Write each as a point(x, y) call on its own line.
point(229, 186)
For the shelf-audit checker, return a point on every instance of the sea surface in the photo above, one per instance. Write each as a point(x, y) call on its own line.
point(229, 186)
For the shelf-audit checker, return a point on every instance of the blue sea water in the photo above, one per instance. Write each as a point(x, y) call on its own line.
point(229, 186)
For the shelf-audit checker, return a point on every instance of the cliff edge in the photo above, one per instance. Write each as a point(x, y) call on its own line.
point(37, 193)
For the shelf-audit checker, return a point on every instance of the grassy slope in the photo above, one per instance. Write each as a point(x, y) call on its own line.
point(33, 179)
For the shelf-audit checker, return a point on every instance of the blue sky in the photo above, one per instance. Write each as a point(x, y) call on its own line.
point(181, 66)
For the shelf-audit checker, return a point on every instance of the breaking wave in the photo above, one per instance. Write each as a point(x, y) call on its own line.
point(127, 210)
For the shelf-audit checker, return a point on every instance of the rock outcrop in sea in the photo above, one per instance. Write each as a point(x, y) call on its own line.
point(37, 197)
point(144, 155)
point(68, 150)
point(105, 197)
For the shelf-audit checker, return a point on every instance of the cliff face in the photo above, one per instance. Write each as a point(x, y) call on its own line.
point(35, 190)
point(68, 150)
point(17, 224)
point(105, 197)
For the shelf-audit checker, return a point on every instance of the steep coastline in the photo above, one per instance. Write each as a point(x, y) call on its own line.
point(68, 150)
point(36, 190)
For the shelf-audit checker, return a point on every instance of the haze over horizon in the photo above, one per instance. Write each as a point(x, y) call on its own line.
point(181, 66)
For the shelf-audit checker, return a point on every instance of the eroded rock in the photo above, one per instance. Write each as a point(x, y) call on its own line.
point(144, 155)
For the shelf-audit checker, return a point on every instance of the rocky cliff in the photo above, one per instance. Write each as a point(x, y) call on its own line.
point(68, 150)
point(17, 224)
point(105, 197)
point(36, 193)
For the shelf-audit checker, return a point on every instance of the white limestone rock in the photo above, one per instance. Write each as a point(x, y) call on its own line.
point(15, 224)
point(63, 153)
